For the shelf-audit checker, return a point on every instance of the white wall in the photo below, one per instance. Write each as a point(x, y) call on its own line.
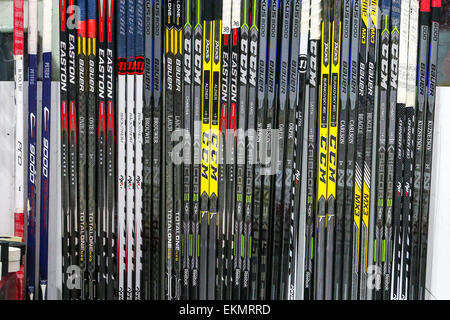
point(438, 260)
point(7, 136)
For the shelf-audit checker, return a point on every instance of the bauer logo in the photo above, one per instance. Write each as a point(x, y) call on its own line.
point(101, 73)
point(63, 66)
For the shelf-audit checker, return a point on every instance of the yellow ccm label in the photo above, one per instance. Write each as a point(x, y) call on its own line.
point(206, 117)
point(215, 114)
point(333, 113)
point(323, 119)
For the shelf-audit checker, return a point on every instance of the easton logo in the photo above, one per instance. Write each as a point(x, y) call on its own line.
point(101, 73)
point(109, 74)
point(63, 65)
point(72, 59)
point(234, 77)
point(225, 59)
